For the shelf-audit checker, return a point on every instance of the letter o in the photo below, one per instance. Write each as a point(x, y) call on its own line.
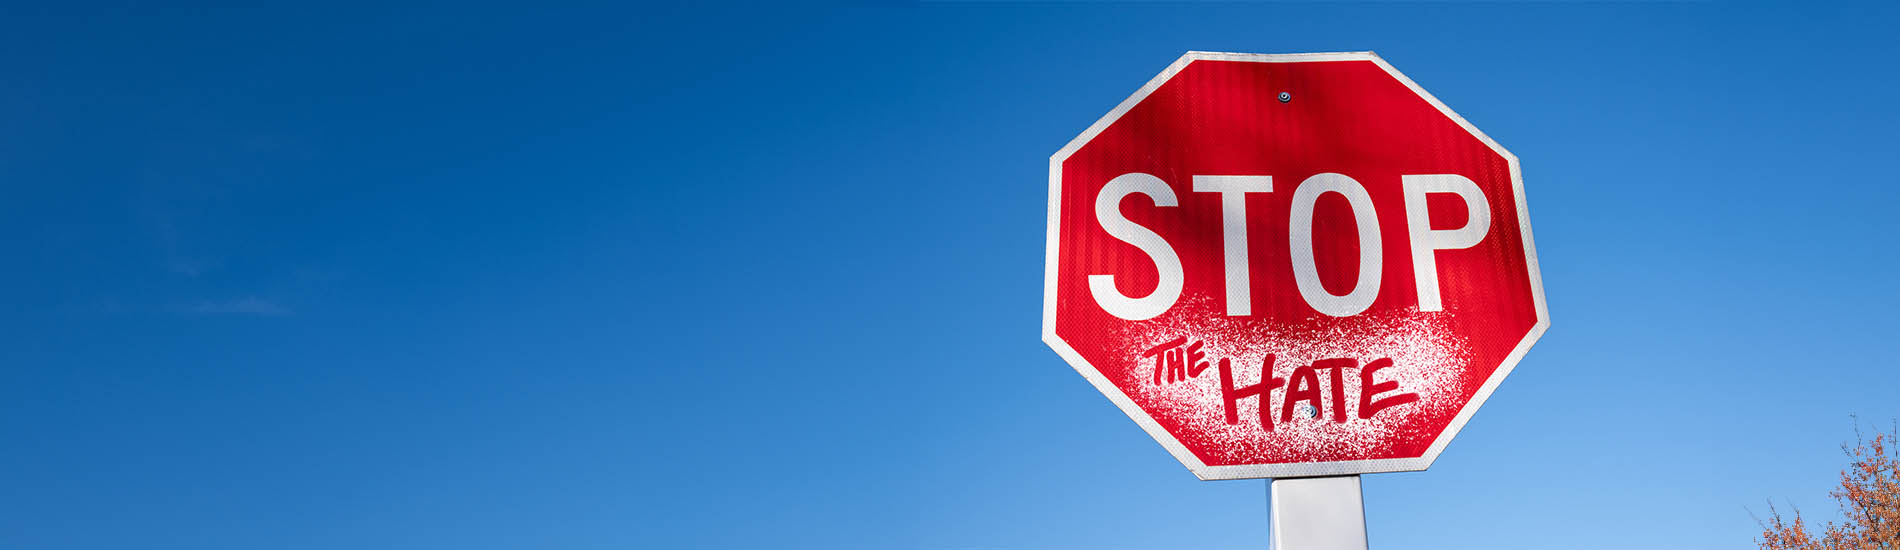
point(1300, 242)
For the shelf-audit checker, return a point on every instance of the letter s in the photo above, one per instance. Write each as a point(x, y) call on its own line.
point(1167, 265)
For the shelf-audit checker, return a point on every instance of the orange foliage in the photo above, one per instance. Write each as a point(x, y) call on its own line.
point(1869, 497)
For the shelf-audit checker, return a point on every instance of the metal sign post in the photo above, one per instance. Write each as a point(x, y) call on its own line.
point(1318, 513)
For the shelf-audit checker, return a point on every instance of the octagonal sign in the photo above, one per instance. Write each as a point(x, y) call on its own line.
point(1290, 265)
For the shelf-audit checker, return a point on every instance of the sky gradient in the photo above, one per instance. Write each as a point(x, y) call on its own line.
point(482, 276)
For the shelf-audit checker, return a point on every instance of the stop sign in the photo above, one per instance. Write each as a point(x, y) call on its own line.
point(1290, 265)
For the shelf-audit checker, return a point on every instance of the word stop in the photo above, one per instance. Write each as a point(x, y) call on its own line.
point(1233, 190)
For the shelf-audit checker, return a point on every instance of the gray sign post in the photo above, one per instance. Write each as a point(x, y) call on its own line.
point(1318, 513)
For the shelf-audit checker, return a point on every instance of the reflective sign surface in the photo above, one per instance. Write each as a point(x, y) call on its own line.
point(1290, 265)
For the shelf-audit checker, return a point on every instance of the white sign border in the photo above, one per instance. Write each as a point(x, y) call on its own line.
point(1306, 469)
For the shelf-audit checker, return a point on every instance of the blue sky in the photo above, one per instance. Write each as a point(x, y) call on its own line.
point(483, 276)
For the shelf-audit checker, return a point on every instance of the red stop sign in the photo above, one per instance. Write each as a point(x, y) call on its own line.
point(1290, 265)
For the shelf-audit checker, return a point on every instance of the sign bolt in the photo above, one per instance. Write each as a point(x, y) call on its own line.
point(1286, 96)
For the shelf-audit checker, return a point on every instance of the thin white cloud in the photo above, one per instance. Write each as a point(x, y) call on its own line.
point(186, 267)
point(249, 305)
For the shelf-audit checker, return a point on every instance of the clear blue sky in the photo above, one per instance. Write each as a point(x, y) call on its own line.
point(473, 276)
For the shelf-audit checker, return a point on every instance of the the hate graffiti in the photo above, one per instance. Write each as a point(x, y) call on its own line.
point(1179, 360)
